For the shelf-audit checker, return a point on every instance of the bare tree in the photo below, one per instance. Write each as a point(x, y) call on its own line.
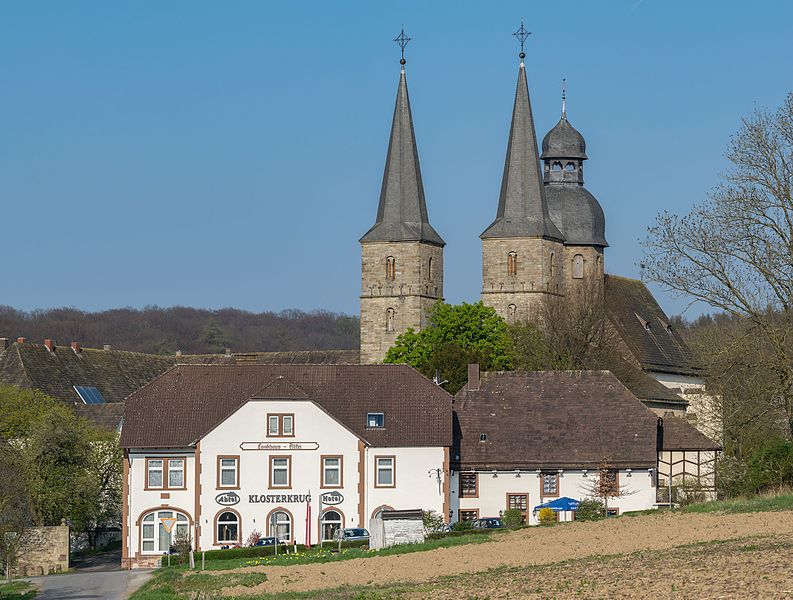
point(734, 251)
point(605, 484)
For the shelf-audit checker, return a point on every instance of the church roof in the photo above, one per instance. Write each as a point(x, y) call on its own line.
point(645, 330)
point(402, 212)
point(577, 214)
point(522, 209)
point(563, 141)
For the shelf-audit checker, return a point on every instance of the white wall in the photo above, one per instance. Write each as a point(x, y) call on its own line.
point(638, 487)
point(701, 405)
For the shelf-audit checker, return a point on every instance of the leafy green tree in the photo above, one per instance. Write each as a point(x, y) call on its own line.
point(214, 337)
point(20, 408)
point(15, 515)
point(457, 335)
point(771, 466)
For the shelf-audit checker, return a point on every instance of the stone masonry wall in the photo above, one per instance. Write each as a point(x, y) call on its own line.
point(45, 550)
point(540, 271)
point(403, 531)
point(416, 286)
point(593, 266)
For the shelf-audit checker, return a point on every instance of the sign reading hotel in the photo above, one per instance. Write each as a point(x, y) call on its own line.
point(279, 446)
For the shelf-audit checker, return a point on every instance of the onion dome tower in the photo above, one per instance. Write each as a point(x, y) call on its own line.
point(401, 255)
point(574, 210)
point(522, 248)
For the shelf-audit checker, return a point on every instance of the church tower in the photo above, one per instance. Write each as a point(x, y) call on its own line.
point(401, 255)
point(575, 211)
point(522, 249)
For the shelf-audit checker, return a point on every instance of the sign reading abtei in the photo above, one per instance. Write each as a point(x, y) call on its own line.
point(227, 499)
point(279, 446)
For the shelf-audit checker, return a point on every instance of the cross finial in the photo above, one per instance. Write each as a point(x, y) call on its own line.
point(402, 40)
point(522, 34)
point(564, 98)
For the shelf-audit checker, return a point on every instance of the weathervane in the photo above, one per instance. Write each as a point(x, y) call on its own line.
point(522, 34)
point(402, 40)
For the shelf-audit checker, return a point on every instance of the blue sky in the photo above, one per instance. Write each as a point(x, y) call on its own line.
point(219, 154)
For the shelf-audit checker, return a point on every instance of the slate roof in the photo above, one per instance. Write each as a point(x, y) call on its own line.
point(552, 419)
point(679, 435)
point(188, 401)
point(115, 373)
point(563, 141)
point(106, 416)
point(522, 208)
point(644, 328)
point(577, 214)
point(643, 386)
point(402, 212)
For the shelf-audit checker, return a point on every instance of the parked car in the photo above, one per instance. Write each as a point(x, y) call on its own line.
point(487, 523)
point(268, 541)
point(351, 534)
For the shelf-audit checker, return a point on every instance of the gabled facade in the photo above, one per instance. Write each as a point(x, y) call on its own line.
point(218, 452)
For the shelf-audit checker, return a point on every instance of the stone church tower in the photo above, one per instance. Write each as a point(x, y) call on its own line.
point(573, 209)
point(402, 255)
point(522, 250)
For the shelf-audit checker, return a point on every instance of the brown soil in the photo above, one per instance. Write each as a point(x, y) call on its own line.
point(701, 573)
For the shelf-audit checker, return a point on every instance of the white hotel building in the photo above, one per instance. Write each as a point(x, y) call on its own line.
point(219, 451)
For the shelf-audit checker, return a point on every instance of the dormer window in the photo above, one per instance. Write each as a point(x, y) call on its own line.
point(375, 420)
point(390, 268)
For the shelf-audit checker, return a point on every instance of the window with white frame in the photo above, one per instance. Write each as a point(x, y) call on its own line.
point(228, 528)
point(165, 473)
point(331, 471)
point(375, 420)
point(279, 425)
point(385, 471)
point(228, 468)
point(331, 524)
point(280, 525)
point(159, 530)
point(550, 484)
point(280, 471)
point(175, 473)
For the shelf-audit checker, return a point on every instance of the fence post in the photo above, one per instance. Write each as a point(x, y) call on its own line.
point(203, 556)
point(192, 559)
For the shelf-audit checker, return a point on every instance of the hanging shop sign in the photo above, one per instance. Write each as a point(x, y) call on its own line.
point(279, 446)
point(331, 498)
point(227, 499)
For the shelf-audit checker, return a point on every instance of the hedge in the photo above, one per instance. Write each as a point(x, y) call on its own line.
point(258, 551)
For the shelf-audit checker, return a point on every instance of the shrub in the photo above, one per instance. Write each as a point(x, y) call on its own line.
point(512, 518)
point(547, 516)
point(254, 537)
point(590, 509)
point(770, 466)
point(462, 526)
point(432, 521)
point(183, 544)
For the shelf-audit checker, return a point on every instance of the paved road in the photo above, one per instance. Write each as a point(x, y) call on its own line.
point(96, 578)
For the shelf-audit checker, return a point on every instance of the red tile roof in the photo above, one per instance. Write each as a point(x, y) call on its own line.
point(188, 401)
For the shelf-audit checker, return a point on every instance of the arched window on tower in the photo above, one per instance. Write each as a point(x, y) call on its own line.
point(390, 268)
point(552, 259)
point(578, 266)
point(389, 319)
point(556, 166)
point(512, 264)
point(512, 313)
point(429, 269)
point(570, 167)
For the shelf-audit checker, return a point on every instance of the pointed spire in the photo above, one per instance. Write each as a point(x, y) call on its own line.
point(402, 212)
point(522, 208)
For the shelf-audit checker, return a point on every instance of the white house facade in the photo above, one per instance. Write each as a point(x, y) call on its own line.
point(311, 450)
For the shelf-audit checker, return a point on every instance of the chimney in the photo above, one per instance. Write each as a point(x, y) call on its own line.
point(3, 344)
point(228, 351)
point(76, 347)
point(50, 344)
point(473, 376)
point(106, 347)
point(20, 340)
point(178, 353)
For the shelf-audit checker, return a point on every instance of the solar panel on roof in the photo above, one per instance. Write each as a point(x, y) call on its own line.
point(89, 395)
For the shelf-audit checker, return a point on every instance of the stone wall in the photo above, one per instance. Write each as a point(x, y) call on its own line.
point(44, 551)
point(403, 531)
point(416, 286)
